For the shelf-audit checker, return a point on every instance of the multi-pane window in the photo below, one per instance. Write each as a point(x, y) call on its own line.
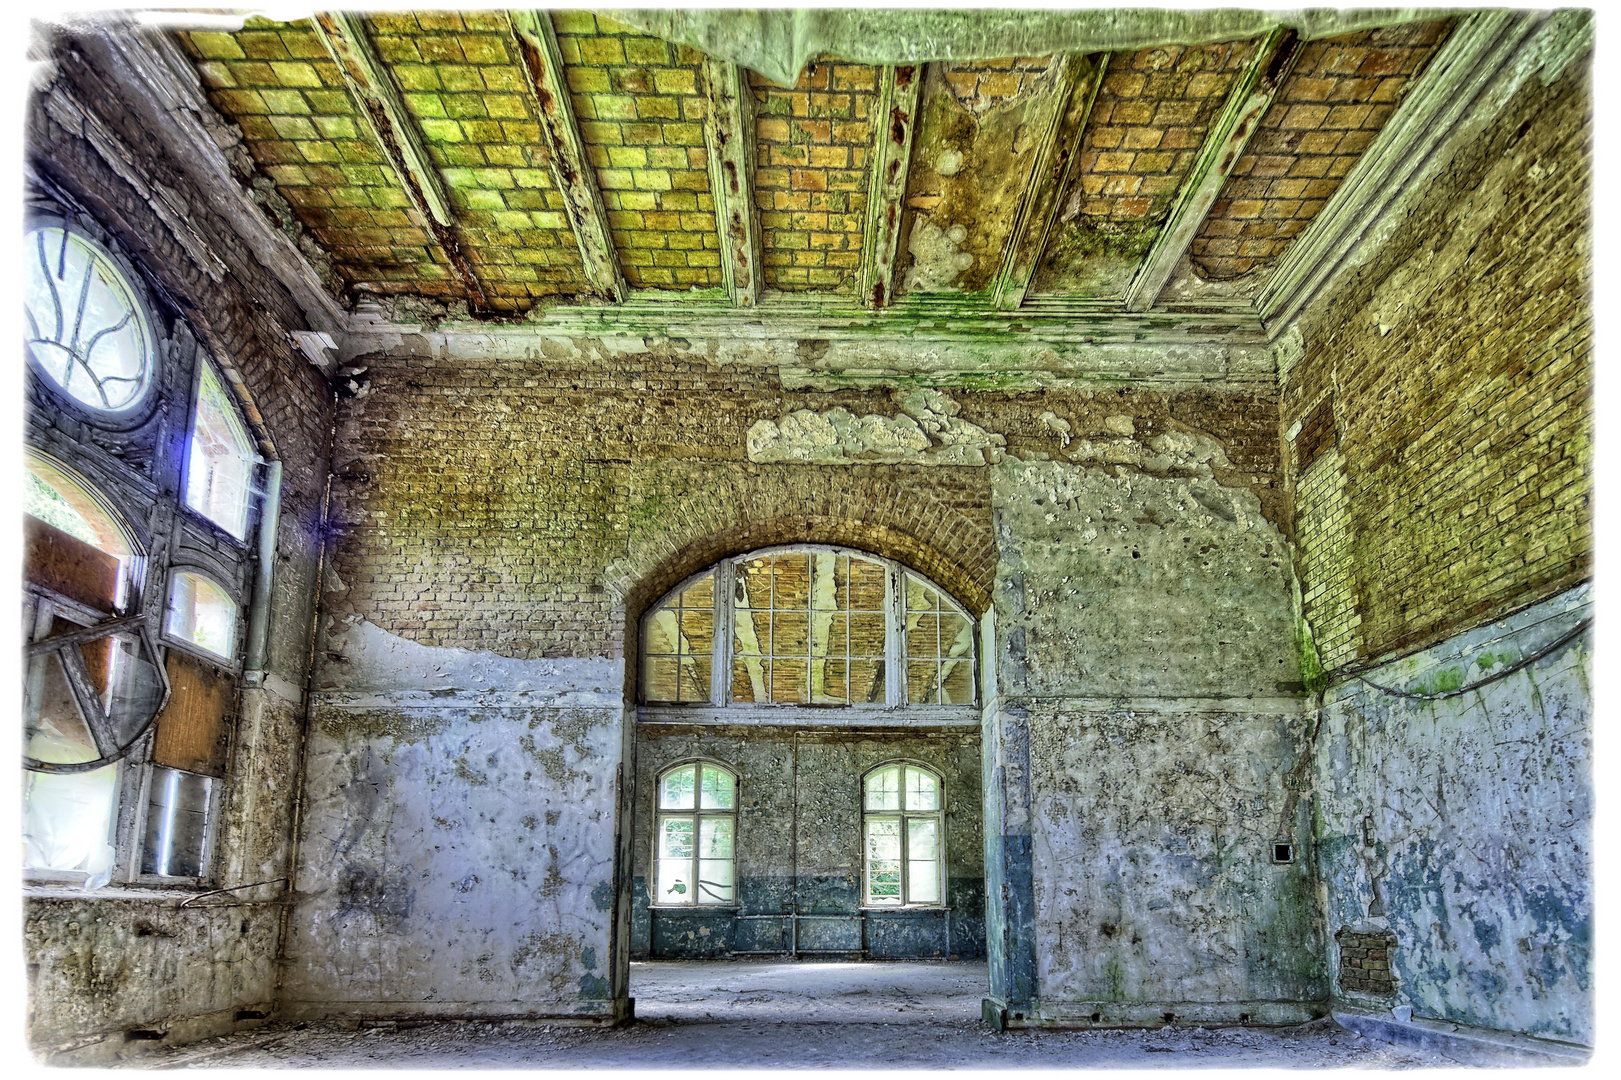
point(82, 323)
point(808, 626)
point(219, 465)
point(696, 836)
point(201, 613)
point(903, 837)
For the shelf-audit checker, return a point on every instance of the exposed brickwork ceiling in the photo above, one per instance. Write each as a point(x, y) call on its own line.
point(476, 104)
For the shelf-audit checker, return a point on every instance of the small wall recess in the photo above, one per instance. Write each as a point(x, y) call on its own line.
point(1283, 853)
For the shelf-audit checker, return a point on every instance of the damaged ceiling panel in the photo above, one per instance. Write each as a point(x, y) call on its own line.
point(494, 164)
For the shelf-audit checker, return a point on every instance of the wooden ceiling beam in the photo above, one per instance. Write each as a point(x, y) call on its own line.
point(729, 134)
point(1251, 96)
point(571, 169)
point(895, 120)
point(1049, 178)
point(378, 103)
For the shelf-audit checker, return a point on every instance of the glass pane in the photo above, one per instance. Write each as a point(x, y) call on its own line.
point(698, 632)
point(717, 791)
point(884, 790)
point(660, 678)
point(921, 679)
point(830, 682)
point(792, 573)
point(715, 881)
point(54, 729)
point(956, 636)
point(695, 678)
point(789, 634)
point(866, 586)
point(922, 636)
point(790, 680)
point(219, 466)
point(176, 824)
point(922, 839)
point(833, 628)
point(749, 675)
point(82, 322)
point(700, 595)
point(661, 633)
point(68, 821)
point(867, 635)
point(957, 682)
point(675, 790)
point(922, 792)
point(202, 613)
point(919, 597)
point(884, 861)
point(753, 583)
point(824, 581)
point(923, 882)
point(130, 683)
point(674, 882)
point(675, 838)
point(715, 837)
point(751, 633)
point(867, 681)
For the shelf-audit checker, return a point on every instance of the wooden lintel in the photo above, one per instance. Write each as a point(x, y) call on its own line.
point(1049, 177)
point(571, 169)
point(729, 135)
point(378, 103)
point(1224, 144)
point(895, 121)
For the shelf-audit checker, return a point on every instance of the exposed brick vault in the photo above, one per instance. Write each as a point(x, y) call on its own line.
point(1231, 371)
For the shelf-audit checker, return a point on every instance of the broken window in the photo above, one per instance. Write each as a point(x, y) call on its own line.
point(84, 326)
point(903, 834)
point(176, 824)
point(201, 613)
point(808, 626)
point(695, 853)
point(219, 467)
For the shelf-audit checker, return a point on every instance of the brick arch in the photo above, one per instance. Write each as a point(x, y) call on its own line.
point(932, 519)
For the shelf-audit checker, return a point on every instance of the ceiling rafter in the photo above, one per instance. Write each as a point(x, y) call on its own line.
point(378, 104)
point(1252, 94)
point(729, 134)
point(571, 169)
point(895, 124)
point(1049, 178)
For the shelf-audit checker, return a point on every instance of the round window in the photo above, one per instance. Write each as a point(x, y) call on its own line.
point(85, 328)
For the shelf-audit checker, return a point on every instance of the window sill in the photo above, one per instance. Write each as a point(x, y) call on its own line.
point(67, 890)
point(906, 909)
point(695, 909)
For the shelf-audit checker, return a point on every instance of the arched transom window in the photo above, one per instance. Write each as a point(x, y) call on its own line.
point(808, 626)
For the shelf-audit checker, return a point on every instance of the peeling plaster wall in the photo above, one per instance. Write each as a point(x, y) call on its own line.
point(1147, 738)
point(1463, 827)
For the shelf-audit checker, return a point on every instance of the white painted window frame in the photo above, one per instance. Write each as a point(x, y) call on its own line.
point(697, 814)
point(938, 816)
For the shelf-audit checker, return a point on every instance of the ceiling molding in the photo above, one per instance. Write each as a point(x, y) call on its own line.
point(729, 134)
point(894, 128)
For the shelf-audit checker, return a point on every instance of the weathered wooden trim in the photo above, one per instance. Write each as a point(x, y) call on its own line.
point(1044, 191)
point(894, 124)
point(380, 108)
point(1251, 96)
point(571, 169)
point(729, 134)
point(1487, 58)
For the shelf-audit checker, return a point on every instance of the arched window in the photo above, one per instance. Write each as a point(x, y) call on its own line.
point(201, 613)
point(696, 836)
point(85, 327)
point(903, 837)
point(220, 457)
point(806, 625)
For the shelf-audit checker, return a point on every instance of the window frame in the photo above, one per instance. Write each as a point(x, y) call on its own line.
point(255, 508)
point(697, 813)
point(232, 663)
point(722, 706)
point(938, 816)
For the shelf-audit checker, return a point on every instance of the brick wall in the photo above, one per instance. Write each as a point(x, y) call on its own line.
point(1459, 360)
point(1365, 961)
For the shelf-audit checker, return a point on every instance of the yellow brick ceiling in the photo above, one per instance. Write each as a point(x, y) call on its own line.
point(640, 111)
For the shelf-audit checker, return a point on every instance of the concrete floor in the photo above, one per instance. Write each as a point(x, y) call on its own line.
point(764, 1014)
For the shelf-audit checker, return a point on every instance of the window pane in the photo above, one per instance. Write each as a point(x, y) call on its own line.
point(675, 838)
point(82, 322)
point(54, 729)
point(922, 839)
point(219, 468)
point(675, 791)
point(956, 635)
point(830, 682)
point(661, 633)
point(922, 636)
point(751, 633)
point(884, 790)
point(788, 634)
point(753, 584)
point(715, 881)
point(867, 635)
point(884, 861)
point(176, 824)
point(923, 882)
point(865, 586)
point(717, 790)
point(700, 595)
point(867, 681)
point(660, 678)
point(68, 821)
point(674, 882)
point(790, 680)
point(919, 597)
point(957, 682)
point(127, 680)
point(792, 573)
point(749, 674)
point(922, 677)
point(922, 792)
point(695, 679)
point(698, 632)
point(202, 613)
point(715, 837)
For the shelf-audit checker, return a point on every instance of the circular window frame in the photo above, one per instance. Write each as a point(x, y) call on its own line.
point(141, 409)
